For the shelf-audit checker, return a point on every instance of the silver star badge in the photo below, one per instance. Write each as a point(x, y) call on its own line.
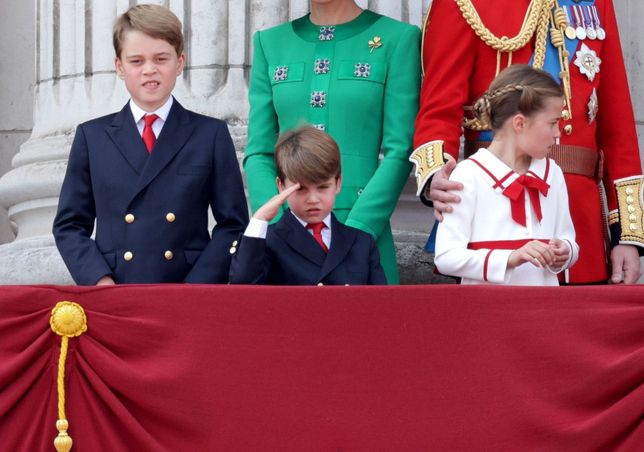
point(593, 106)
point(588, 62)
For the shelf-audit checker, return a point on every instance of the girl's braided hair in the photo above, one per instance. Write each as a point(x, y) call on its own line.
point(518, 89)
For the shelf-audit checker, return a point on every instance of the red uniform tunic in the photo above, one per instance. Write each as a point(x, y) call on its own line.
point(459, 67)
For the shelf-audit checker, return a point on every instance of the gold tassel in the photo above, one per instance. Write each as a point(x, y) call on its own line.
point(67, 320)
point(63, 442)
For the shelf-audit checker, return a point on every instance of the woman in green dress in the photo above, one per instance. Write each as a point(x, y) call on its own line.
point(356, 75)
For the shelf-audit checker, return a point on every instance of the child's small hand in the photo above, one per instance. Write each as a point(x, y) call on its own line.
point(269, 210)
point(535, 252)
point(105, 281)
point(560, 251)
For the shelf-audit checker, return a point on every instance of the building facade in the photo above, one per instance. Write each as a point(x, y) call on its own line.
point(59, 71)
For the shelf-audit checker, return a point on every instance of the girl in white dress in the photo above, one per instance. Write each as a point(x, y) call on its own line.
point(513, 225)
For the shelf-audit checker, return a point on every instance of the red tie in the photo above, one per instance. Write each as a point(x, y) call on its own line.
point(317, 234)
point(148, 134)
point(515, 191)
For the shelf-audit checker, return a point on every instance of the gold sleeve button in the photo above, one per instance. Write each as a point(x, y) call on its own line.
point(128, 256)
point(129, 218)
point(568, 129)
point(170, 217)
point(168, 255)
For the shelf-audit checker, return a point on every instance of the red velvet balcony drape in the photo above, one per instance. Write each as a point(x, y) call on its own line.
point(445, 368)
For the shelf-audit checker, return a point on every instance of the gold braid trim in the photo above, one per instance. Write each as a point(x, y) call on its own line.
point(427, 158)
point(630, 200)
point(532, 19)
point(67, 320)
point(535, 23)
point(542, 33)
point(559, 22)
point(422, 39)
point(613, 217)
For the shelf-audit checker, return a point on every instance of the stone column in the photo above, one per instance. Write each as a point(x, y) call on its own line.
point(630, 15)
point(16, 88)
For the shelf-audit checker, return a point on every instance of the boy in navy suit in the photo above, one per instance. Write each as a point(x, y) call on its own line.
point(148, 174)
point(308, 245)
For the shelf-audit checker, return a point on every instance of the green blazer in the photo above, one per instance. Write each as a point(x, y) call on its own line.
point(359, 81)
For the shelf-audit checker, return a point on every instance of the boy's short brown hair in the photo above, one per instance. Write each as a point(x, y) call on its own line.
point(307, 154)
point(155, 21)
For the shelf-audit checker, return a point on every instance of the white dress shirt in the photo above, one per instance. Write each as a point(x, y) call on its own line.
point(162, 112)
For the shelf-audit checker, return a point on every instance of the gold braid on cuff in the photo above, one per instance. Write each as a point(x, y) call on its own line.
point(630, 200)
point(427, 159)
point(613, 217)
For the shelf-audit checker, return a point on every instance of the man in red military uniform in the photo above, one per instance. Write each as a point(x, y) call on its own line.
point(466, 43)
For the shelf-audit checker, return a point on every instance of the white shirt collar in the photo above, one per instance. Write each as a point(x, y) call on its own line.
point(162, 112)
point(326, 221)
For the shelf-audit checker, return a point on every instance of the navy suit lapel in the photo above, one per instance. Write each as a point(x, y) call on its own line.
point(127, 139)
point(176, 131)
point(299, 239)
point(342, 238)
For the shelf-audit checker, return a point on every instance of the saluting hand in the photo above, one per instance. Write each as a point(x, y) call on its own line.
point(270, 210)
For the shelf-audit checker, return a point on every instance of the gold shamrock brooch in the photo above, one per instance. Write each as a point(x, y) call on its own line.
point(374, 43)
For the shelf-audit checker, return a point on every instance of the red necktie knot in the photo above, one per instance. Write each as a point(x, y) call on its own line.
point(534, 185)
point(317, 234)
point(148, 134)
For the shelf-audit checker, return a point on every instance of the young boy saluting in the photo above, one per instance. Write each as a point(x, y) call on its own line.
point(308, 245)
point(148, 173)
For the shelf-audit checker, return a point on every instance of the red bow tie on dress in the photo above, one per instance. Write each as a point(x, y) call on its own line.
point(534, 185)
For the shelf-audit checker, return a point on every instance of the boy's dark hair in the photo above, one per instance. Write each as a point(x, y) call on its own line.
point(155, 21)
point(307, 154)
point(519, 88)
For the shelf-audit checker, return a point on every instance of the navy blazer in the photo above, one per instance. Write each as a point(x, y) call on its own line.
point(151, 210)
point(290, 256)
